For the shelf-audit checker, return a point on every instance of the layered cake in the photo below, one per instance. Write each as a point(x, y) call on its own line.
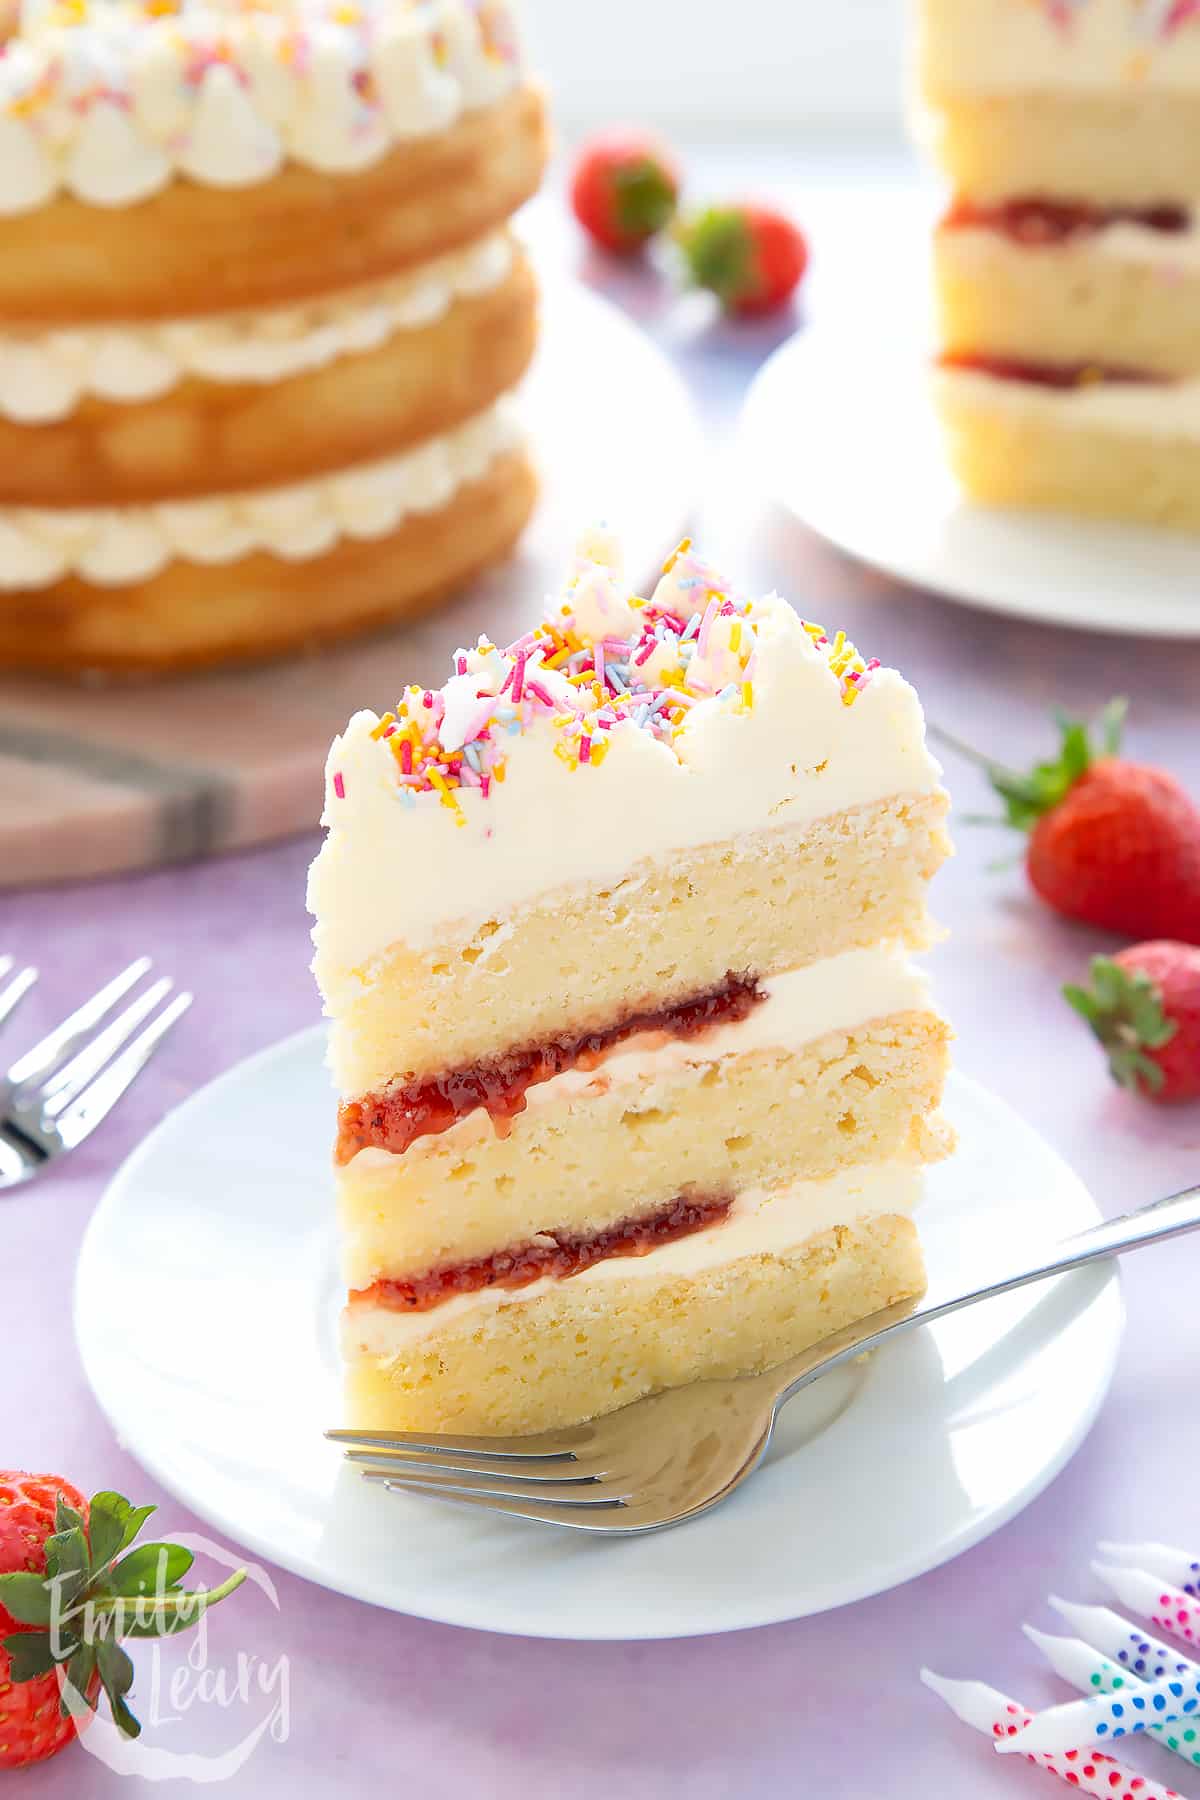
point(260, 316)
point(1068, 264)
point(637, 1080)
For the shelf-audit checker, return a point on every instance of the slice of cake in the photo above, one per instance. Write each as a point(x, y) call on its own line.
point(1067, 270)
point(637, 1079)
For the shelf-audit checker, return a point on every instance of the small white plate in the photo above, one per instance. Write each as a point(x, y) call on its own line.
point(221, 1374)
point(839, 428)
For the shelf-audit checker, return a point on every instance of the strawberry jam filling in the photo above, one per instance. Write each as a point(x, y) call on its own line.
point(1046, 374)
point(393, 1120)
point(1055, 221)
point(556, 1254)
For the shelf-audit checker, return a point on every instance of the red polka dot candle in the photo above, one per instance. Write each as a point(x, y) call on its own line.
point(1150, 1597)
point(1006, 1721)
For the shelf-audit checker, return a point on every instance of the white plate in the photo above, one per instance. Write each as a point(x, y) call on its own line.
point(838, 427)
point(222, 1373)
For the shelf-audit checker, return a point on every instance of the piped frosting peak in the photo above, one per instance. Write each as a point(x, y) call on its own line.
point(110, 100)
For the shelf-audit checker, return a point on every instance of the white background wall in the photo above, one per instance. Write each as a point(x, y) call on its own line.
point(724, 67)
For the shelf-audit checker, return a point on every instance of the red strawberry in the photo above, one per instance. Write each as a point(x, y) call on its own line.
point(70, 1589)
point(1111, 842)
point(624, 188)
point(1144, 1006)
point(752, 257)
point(32, 1725)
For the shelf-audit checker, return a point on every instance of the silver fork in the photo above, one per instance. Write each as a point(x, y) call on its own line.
point(54, 1096)
point(676, 1454)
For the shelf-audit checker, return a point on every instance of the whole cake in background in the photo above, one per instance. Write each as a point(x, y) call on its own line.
point(637, 1080)
point(259, 315)
point(1068, 265)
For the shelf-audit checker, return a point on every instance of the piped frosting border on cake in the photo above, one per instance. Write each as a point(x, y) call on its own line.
point(111, 100)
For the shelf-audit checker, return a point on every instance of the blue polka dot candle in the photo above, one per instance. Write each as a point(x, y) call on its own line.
point(1107, 1718)
point(1127, 1645)
point(1178, 1567)
point(1150, 1597)
point(1092, 1673)
point(1008, 1723)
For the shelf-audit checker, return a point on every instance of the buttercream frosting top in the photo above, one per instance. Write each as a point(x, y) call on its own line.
point(110, 100)
point(1030, 46)
point(619, 728)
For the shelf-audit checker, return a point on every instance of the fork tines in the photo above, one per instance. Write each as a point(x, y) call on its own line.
point(56, 1094)
point(547, 1478)
point(14, 990)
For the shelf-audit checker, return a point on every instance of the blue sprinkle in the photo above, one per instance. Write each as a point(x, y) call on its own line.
point(1176, 1688)
point(692, 627)
point(1101, 1729)
point(471, 752)
point(1118, 1710)
point(1189, 1706)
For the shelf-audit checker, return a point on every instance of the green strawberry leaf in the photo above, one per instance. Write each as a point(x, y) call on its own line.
point(112, 1526)
point(31, 1653)
point(66, 1518)
point(116, 1678)
point(27, 1597)
point(68, 1564)
point(79, 1671)
point(1125, 1012)
point(1029, 796)
point(151, 1569)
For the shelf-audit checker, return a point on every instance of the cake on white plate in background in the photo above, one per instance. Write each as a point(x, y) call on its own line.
point(260, 313)
point(637, 1078)
point(1068, 264)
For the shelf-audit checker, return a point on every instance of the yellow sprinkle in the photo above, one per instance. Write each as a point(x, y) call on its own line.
point(681, 549)
point(556, 661)
point(387, 719)
point(735, 636)
point(599, 752)
point(598, 694)
point(498, 772)
point(747, 694)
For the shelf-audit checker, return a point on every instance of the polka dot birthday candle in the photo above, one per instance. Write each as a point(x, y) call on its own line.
point(1177, 1567)
point(1006, 1721)
point(1108, 1632)
point(1092, 1673)
point(1151, 1598)
point(1107, 1717)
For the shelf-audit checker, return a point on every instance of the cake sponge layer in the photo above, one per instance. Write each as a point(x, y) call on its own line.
point(578, 1350)
point(585, 957)
point(1133, 148)
point(1124, 296)
point(1097, 451)
point(585, 1157)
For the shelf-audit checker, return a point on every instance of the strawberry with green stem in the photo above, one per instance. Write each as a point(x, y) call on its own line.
point(1144, 1007)
point(1112, 842)
point(72, 1586)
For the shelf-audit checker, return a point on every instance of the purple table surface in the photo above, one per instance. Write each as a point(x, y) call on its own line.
point(829, 1705)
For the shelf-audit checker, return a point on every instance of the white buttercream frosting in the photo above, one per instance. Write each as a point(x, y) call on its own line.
point(799, 730)
point(1154, 409)
point(838, 993)
point(114, 546)
point(761, 1222)
point(109, 100)
point(1070, 46)
point(44, 375)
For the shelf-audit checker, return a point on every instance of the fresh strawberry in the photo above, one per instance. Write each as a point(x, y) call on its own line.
point(752, 257)
point(624, 189)
point(1144, 1006)
point(68, 1594)
point(1112, 842)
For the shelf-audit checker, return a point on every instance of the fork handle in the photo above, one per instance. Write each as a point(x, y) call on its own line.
point(1152, 1224)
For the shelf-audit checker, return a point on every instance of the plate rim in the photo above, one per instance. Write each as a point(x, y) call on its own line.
point(972, 1531)
point(810, 342)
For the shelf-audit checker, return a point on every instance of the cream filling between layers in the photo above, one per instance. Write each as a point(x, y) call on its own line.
point(760, 1222)
point(44, 375)
point(1154, 409)
point(1169, 252)
point(835, 994)
point(114, 546)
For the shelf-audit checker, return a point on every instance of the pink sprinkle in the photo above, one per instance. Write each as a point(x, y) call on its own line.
point(485, 783)
point(706, 625)
point(522, 643)
point(539, 693)
point(646, 652)
point(427, 698)
point(390, 730)
point(406, 757)
point(508, 680)
point(598, 663)
point(460, 665)
point(468, 777)
point(518, 686)
point(585, 749)
point(339, 786)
